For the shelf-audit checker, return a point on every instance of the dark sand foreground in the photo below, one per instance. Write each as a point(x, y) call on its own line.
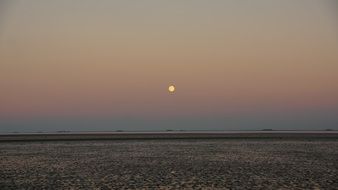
point(233, 163)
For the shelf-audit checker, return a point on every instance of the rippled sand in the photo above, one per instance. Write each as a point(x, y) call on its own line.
point(170, 164)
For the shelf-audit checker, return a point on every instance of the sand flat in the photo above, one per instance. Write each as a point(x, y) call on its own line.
point(244, 163)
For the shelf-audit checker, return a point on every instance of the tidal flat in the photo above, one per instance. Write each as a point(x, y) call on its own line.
point(170, 164)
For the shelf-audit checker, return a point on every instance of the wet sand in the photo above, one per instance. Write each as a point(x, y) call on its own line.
point(286, 135)
point(174, 163)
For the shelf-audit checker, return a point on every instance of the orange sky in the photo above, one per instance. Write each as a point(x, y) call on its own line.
point(117, 58)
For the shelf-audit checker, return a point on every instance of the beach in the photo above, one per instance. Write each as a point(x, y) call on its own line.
point(226, 162)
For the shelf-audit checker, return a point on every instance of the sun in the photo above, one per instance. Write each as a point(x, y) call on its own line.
point(171, 88)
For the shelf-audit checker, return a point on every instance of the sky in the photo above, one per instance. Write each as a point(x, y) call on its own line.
point(86, 65)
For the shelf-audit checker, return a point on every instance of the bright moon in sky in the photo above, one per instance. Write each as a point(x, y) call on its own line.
point(171, 88)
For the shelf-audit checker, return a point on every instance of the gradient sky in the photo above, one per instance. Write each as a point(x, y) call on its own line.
point(106, 65)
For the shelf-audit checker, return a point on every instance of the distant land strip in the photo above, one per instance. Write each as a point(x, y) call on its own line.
point(162, 136)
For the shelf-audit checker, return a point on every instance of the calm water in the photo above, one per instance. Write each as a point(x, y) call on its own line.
point(175, 132)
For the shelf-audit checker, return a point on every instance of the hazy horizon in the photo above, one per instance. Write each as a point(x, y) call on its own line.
point(106, 65)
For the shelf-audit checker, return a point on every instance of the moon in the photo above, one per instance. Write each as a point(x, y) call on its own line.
point(171, 88)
